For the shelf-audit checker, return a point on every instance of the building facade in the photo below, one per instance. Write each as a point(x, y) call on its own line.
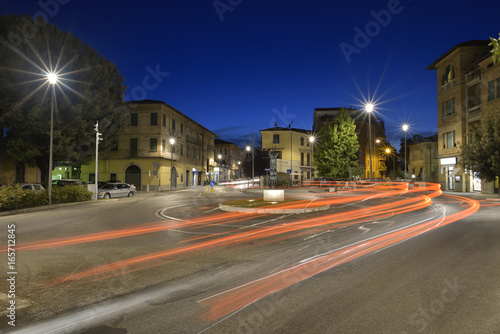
point(228, 158)
point(295, 152)
point(468, 88)
point(160, 149)
point(424, 163)
point(378, 156)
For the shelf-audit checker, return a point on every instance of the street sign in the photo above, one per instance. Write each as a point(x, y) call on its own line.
point(212, 183)
point(289, 171)
point(156, 164)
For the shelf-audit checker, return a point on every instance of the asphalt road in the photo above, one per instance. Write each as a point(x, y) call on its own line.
point(175, 263)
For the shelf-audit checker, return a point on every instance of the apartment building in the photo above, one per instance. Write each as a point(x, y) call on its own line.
point(468, 88)
point(228, 158)
point(423, 159)
point(378, 156)
point(295, 151)
point(160, 148)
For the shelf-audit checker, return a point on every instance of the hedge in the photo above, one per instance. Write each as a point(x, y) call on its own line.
point(15, 197)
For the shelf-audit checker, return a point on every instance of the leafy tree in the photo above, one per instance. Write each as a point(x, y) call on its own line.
point(261, 162)
point(90, 89)
point(495, 44)
point(481, 151)
point(338, 146)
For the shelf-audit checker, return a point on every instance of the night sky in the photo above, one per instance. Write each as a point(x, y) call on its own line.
point(236, 68)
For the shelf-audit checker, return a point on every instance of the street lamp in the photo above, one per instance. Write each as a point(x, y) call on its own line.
point(239, 169)
point(389, 151)
point(52, 79)
point(311, 141)
point(369, 109)
point(172, 143)
point(220, 171)
point(248, 148)
point(405, 128)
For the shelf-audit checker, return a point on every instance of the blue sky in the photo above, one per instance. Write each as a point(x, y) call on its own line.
point(234, 65)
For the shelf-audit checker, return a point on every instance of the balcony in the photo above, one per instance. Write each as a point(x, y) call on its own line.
point(169, 155)
point(474, 111)
point(447, 86)
point(473, 76)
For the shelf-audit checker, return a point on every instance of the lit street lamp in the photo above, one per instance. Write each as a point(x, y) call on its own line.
point(172, 143)
point(369, 109)
point(311, 141)
point(220, 171)
point(389, 151)
point(52, 79)
point(248, 148)
point(405, 128)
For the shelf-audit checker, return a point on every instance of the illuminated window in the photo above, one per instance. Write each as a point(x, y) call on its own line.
point(448, 75)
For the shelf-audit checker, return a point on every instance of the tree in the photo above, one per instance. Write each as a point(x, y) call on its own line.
point(495, 51)
point(481, 151)
point(261, 162)
point(90, 89)
point(338, 146)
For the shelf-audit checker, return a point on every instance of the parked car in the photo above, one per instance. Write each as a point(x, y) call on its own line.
point(113, 190)
point(36, 187)
point(67, 182)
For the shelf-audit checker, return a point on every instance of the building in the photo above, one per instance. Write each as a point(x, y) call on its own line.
point(228, 158)
point(423, 159)
point(468, 88)
point(160, 148)
point(12, 172)
point(379, 157)
point(295, 152)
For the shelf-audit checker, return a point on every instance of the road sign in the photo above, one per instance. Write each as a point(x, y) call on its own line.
point(156, 164)
point(212, 183)
point(289, 171)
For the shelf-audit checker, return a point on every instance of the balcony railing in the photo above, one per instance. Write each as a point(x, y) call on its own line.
point(476, 74)
point(474, 111)
point(447, 86)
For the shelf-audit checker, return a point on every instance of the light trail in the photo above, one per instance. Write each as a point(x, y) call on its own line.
point(232, 300)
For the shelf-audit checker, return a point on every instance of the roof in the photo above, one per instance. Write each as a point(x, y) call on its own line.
point(169, 106)
point(278, 128)
point(223, 142)
point(474, 42)
point(430, 139)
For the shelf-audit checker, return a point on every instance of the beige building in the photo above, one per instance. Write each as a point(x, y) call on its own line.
point(423, 160)
point(145, 157)
point(295, 151)
point(378, 157)
point(228, 158)
point(468, 87)
point(12, 172)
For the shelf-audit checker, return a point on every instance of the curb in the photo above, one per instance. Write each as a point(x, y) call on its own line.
point(230, 208)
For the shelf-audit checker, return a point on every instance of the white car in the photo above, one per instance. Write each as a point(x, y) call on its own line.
point(113, 190)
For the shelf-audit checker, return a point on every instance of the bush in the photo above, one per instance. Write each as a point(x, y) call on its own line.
point(15, 197)
point(68, 194)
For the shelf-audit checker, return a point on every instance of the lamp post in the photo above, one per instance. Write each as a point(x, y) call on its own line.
point(369, 109)
point(311, 141)
point(239, 169)
point(52, 79)
point(405, 128)
point(389, 151)
point(248, 148)
point(172, 143)
point(220, 171)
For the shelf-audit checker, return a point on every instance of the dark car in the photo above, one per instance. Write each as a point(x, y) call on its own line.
point(67, 182)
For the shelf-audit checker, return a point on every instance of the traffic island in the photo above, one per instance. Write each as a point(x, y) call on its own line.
point(271, 207)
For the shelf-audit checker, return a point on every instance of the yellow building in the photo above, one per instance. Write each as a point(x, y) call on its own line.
point(12, 172)
point(160, 149)
point(295, 151)
point(423, 159)
point(468, 87)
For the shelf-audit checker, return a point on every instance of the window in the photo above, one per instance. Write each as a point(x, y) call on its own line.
point(133, 119)
point(112, 176)
point(114, 148)
point(491, 90)
point(182, 128)
point(302, 159)
point(153, 144)
point(173, 125)
point(164, 120)
point(182, 150)
point(301, 141)
point(498, 87)
point(449, 139)
point(163, 145)
point(449, 107)
point(276, 139)
point(133, 147)
point(448, 75)
point(198, 154)
point(154, 118)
